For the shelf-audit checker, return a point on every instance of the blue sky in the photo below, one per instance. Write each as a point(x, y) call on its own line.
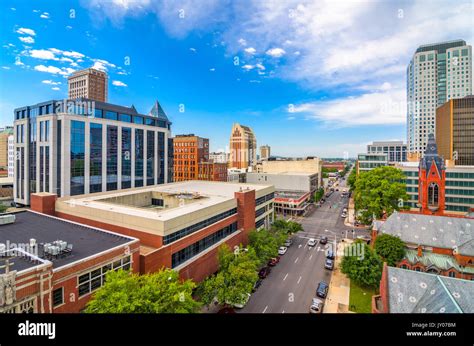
point(310, 77)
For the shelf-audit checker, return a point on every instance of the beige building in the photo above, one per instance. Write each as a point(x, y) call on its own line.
point(89, 83)
point(243, 147)
point(455, 131)
point(309, 165)
point(4, 134)
point(264, 152)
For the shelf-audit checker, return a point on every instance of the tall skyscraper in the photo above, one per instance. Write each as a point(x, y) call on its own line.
point(83, 146)
point(436, 73)
point(89, 83)
point(243, 147)
point(264, 152)
point(455, 131)
point(188, 151)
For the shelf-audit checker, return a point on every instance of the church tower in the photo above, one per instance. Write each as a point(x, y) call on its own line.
point(431, 180)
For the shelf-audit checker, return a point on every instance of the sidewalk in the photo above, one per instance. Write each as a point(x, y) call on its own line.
point(337, 300)
point(349, 220)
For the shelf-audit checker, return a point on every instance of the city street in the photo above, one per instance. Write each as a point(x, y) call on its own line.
point(292, 283)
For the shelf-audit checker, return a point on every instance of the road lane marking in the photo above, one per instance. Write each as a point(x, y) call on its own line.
point(285, 277)
point(296, 260)
point(299, 246)
point(310, 257)
point(299, 280)
point(266, 307)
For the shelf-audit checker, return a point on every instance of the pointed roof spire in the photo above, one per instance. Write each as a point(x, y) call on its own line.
point(158, 112)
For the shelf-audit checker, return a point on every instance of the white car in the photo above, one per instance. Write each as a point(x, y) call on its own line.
point(312, 242)
point(282, 250)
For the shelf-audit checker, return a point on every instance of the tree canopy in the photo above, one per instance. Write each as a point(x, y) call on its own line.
point(361, 264)
point(160, 292)
point(352, 179)
point(235, 279)
point(264, 243)
point(390, 248)
point(380, 191)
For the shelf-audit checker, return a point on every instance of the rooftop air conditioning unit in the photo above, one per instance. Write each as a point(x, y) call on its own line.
point(6, 219)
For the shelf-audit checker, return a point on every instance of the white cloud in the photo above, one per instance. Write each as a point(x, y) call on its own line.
point(250, 50)
point(55, 88)
point(260, 66)
point(26, 31)
point(73, 54)
point(43, 54)
point(192, 49)
point(13, 8)
point(68, 27)
point(27, 39)
point(377, 108)
point(48, 69)
point(50, 82)
point(102, 65)
point(5, 67)
point(242, 42)
point(248, 67)
point(276, 52)
point(212, 69)
point(119, 83)
point(18, 62)
point(45, 15)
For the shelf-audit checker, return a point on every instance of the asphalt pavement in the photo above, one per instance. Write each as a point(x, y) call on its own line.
point(293, 281)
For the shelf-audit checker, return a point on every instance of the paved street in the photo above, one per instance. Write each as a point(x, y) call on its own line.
point(292, 283)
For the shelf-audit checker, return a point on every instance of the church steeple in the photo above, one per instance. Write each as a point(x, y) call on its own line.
point(431, 180)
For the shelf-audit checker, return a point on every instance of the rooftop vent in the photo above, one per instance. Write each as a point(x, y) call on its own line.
point(6, 219)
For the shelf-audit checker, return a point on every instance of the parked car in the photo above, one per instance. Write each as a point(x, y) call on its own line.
point(273, 261)
point(322, 290)
point(330, 255)
point(344, 210)
point(288, 242)
point(323, 240)
point(316, 306)
point(242, 303)
point(258, 283)
point(282, 250)
point(329, 264)
point(264, 272)
point(343, 215)
point(312, 242)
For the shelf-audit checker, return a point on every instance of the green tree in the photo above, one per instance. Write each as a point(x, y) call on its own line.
point(160, 292)
point(288, 227)
point(352, 179)
point(235, 279)
point(3, 208)
point(380, 191)
point(264, 243)
point(318, 194)
point(362, 264)
point(390, 248)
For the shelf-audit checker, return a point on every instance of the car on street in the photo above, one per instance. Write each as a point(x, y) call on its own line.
point(312, 242)
point(316, 306)
point(324, 240)
point(282, 250)
point(264, 272)
point(288, 242)
point(258, 283)
point(322, 290)
point(242, 302)
point(330, 255)
point(344, 210)
point(273, 261)
point(343, 215)
point(329, 264)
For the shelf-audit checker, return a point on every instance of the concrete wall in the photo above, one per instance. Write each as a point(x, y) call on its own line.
point(283, 181)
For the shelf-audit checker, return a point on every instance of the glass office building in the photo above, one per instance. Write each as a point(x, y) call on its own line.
point(73, 147)
point(436, 73)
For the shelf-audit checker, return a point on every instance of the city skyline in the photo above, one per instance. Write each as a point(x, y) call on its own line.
point(224, 70)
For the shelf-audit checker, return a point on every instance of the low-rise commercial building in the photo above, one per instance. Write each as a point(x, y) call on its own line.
point(367, 162)
point(180, 225)
point(396, 150)
point(52, 265)
point(220, 157)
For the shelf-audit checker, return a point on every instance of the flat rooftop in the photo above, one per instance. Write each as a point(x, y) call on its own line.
point(87, 241)
point(183, 198)
point(304, 174)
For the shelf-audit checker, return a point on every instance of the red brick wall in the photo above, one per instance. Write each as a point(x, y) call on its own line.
point(383, 295)
point(45, 204)
point(245, 212)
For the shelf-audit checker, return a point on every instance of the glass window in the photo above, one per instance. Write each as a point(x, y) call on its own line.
point(150, 158)
point(126, 157)
point(77, 157)
point(111, 115)
point(112, 162)
point(95, 164)
point(126, 118)
point(139, 156)
point(98, 113)
point(58, 296)
point(138, 119)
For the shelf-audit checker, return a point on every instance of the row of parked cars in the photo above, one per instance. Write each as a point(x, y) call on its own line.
point(317, 303)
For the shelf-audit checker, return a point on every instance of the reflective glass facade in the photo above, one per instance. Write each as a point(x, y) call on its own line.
point(150, 157)
point(77, 157)
point(112, 167)
point(95, 164)
point(126, 157)
point(139, 149)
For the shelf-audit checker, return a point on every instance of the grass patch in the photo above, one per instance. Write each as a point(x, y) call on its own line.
point(360, 302)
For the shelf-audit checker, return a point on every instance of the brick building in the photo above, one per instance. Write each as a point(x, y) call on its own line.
point(180, 225)
point(52, 265)
point(189, 151)
point(212, 171)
